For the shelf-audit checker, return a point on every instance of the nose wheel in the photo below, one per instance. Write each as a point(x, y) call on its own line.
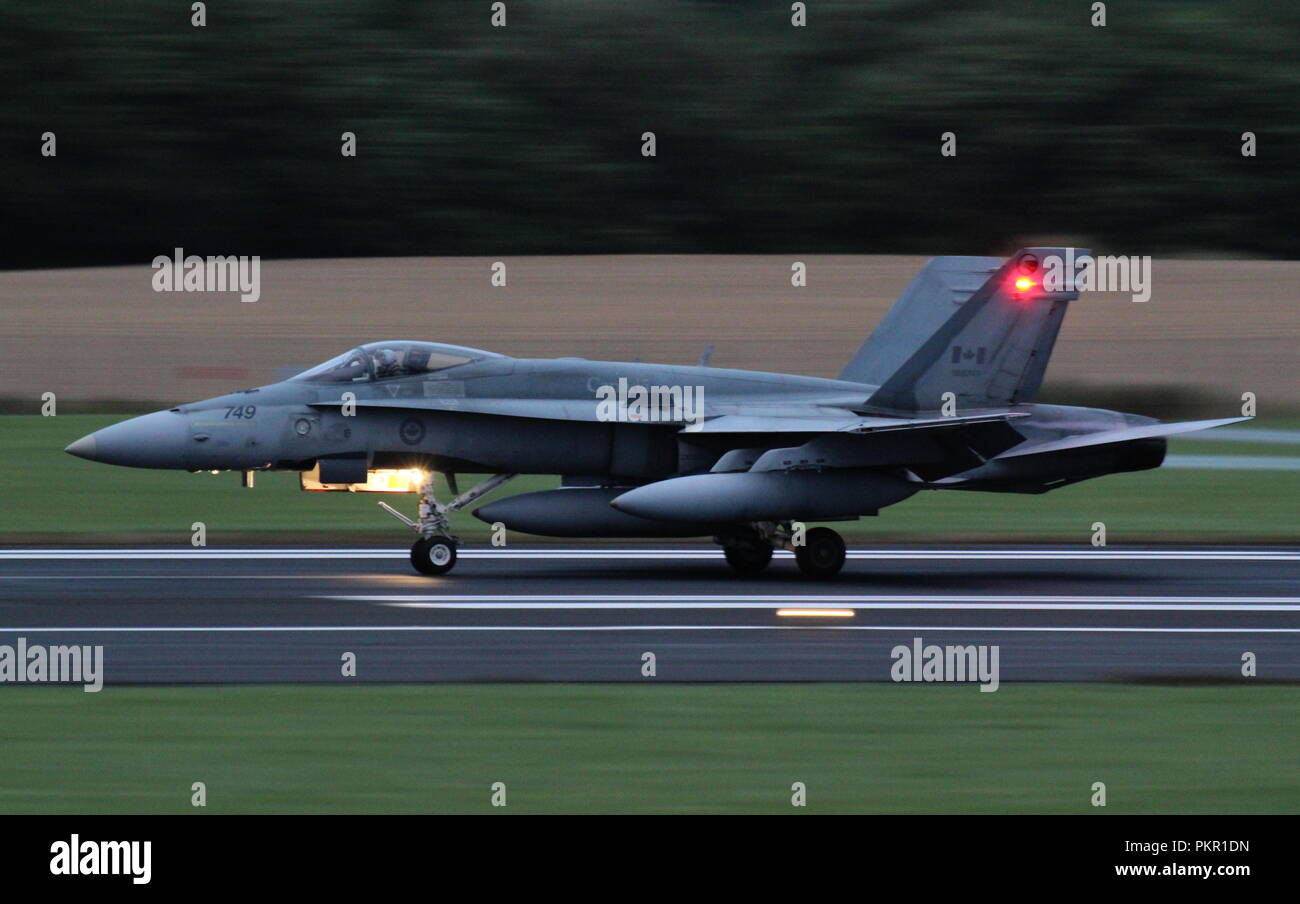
point(433, 555)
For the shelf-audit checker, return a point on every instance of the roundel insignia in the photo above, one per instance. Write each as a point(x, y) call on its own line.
point(412, 431)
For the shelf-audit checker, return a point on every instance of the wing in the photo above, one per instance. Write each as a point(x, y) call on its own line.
point(795, 418)
point(930, 447)
point(839, 423)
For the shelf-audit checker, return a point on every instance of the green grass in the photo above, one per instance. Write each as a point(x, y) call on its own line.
point(666, 748)
point(52, 496)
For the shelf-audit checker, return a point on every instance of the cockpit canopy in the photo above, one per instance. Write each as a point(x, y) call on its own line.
point(385, 360)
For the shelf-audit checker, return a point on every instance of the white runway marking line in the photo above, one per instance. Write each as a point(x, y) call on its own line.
point(1007, 554)
point(595, 602)
point(1244, 435)
point(964, 629)
point(1234, 462)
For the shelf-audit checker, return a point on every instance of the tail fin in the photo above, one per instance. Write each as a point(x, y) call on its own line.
point(977, 327)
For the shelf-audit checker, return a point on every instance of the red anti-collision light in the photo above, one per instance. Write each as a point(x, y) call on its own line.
point(1025, 283)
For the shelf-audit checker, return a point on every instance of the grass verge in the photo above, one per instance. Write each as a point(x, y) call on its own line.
point(1029, 748)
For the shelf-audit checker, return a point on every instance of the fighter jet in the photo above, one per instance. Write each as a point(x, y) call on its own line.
point(941, 396)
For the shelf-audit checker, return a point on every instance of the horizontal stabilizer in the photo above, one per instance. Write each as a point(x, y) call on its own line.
point(1117, 436)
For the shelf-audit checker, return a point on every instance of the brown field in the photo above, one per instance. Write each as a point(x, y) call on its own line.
point(1213, 328)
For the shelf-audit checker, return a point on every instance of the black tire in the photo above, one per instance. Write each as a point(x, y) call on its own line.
point(822, 554)
point(748, 558)
point(434, 555)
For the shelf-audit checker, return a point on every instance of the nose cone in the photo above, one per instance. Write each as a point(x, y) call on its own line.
point(83, 448)
point(158, 440)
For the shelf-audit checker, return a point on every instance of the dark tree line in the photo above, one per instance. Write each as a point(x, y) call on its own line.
point(527, 139)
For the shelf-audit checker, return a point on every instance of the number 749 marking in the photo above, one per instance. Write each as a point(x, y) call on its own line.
point(241, 411)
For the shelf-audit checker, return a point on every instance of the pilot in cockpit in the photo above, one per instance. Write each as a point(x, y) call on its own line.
point(386, 363)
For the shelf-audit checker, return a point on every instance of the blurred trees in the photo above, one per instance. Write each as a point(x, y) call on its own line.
point(527, 139)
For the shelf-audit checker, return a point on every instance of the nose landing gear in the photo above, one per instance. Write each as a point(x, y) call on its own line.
point(434, 555)
point(435, 552)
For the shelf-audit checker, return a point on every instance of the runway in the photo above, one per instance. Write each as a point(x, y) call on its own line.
point(545, 613)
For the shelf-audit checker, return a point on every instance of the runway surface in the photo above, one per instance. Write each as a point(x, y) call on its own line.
point(590, 614)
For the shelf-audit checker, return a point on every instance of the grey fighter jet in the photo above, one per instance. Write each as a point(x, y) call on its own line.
point(940, 397)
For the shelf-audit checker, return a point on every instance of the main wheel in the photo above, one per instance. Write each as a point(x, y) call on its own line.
point(822, 554)
point(748, 558)
point(433, 555)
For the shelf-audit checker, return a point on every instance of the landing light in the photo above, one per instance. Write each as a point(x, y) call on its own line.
point(406, 480)
point(383, 480)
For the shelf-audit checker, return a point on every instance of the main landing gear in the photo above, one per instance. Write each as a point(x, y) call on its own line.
point(822, 554)
point(748, 557)
point(748, 552)
point(435, 552)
